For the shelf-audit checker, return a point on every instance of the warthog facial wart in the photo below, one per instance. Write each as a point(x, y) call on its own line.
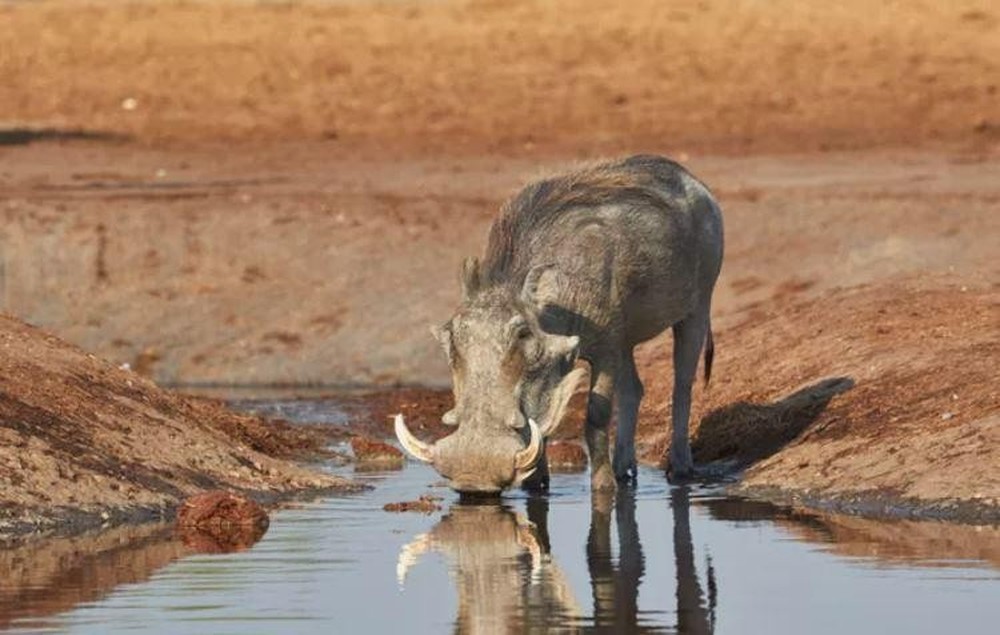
point(581, 266)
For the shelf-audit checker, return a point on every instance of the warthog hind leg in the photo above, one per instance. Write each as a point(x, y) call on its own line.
point(689, 336)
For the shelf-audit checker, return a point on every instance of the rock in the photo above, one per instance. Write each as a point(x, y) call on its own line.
point(372, 454)
point(221, 522)
point(566, 456)
point(425, 504)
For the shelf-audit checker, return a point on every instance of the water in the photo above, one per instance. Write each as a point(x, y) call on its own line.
point(653, 559)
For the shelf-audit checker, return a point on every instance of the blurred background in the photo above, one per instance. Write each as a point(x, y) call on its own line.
point(260, 193)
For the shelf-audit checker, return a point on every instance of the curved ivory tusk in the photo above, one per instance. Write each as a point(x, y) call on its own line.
point(527, 457)
point(409, 555)
point(417, 448)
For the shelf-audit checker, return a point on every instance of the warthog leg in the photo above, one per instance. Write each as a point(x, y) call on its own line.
point(689, 336)
point(602, 383)
point(628, 394)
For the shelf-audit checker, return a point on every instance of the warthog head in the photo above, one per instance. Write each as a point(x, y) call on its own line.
point(512, 382)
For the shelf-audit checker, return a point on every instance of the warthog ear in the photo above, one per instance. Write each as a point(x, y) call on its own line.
point(443, 335)
point(471, 278)
point(542, 284)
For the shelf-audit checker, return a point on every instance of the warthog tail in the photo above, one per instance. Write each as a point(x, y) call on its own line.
point(709, 354)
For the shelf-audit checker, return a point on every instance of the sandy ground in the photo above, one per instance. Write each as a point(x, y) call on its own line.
point(234, 193)
point(510, 75)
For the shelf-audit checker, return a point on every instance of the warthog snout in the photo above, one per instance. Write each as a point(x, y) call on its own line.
point(474, 465)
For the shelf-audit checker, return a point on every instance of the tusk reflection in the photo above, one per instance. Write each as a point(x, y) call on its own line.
point(410, 554)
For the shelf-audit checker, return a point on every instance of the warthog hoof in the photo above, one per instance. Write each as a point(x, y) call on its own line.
point(680, 466)
point(626, 472)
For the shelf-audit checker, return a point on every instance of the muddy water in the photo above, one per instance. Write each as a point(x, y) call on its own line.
point(655, 558)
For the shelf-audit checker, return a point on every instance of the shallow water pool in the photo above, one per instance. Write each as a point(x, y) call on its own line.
point(653, 559)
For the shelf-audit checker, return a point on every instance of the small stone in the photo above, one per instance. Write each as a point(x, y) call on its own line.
point(947, 415)
point(130, 103)
point(425, 504)
point(221, 522)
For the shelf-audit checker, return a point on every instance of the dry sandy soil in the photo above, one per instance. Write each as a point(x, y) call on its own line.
point(482, 76)
point(233, 193)
point(83, 443)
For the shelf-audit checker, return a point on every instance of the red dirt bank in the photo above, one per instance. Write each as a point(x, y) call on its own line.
point(83, 443)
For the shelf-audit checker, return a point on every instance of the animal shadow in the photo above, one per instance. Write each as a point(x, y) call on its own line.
point(742, 433)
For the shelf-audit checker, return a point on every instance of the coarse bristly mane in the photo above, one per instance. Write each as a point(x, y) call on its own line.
point(641, 179)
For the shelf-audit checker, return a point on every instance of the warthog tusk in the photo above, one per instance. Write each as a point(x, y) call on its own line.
point(417, 448)
point(527, 457)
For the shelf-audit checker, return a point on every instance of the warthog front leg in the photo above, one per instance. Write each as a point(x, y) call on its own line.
point(602, 384)
point(628, 392)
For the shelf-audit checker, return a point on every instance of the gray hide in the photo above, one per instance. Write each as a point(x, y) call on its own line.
point(586, 265)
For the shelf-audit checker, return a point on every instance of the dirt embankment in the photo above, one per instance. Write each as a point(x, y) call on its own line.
point(877, 399)
point(482, 76)
point(83, 443)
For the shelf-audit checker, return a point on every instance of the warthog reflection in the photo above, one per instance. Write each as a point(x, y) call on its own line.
point(507, 580)
point(501, 567)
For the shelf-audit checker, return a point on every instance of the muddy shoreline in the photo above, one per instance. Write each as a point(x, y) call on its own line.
point(878, 505)
point(86, 443)
point(66, 523)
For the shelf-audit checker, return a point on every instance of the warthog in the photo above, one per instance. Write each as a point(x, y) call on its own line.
point(587, 264)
